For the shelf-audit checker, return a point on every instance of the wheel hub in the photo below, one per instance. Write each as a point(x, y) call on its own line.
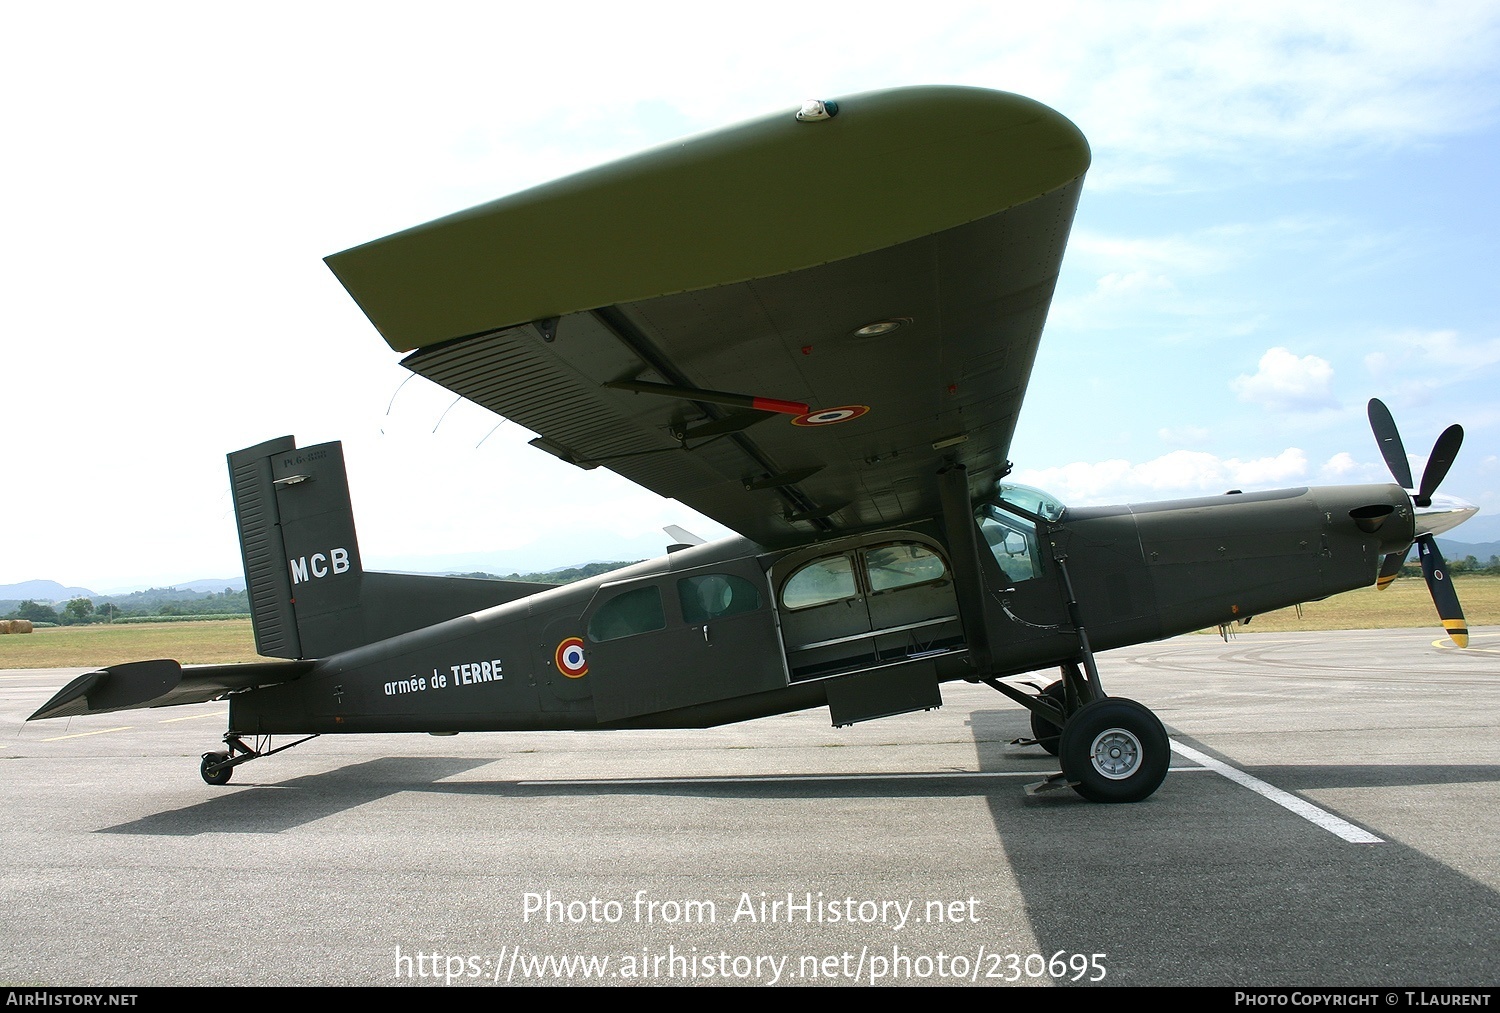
point(1116, 753)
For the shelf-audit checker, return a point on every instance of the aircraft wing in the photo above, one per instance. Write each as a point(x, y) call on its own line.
point(162, 683)
point(873, 285)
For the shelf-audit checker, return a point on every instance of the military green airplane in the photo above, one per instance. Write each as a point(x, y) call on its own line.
point(816, 328)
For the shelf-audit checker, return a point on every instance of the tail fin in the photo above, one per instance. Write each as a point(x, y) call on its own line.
point(301, 555)
point(309, 595)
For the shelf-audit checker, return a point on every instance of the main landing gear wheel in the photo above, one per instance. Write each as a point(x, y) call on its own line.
point(1044, 731)
point(1114, 750)
point(216, 777)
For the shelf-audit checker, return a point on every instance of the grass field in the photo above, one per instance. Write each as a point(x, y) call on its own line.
point(199, 643)
point(1403, 604)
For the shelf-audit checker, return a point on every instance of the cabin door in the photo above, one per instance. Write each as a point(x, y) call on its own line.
point(673, 640)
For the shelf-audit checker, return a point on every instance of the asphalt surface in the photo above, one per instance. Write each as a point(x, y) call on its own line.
point(901, 851)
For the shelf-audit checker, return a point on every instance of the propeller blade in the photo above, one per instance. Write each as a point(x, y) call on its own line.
point(1389, 439)
point(1443, 595)
point(1443, 453)
point(1389, 567)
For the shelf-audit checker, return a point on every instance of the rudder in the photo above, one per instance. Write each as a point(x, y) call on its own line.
point(297, 540)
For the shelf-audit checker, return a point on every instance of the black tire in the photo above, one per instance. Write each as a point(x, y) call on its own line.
point(1114, 750)
point(217, 777)
point(1044, 731)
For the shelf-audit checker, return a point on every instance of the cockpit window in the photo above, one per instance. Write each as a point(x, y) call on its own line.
point(1033, 501)
point(1012, 540)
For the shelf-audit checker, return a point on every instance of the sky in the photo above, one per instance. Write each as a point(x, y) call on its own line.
point(1291, 208)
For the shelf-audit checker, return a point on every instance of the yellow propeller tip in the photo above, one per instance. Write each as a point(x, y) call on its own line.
point(1458, 630)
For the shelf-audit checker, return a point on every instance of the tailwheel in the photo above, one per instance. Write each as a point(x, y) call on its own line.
point(1044, 731)
point(215, 769)
point(1114, 750)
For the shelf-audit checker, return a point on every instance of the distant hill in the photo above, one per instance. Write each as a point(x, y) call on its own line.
point(562, 575)
point(1481, 551)
point(45, 591)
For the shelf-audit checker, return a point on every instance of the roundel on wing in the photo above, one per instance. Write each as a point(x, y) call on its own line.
point(570, 660)
point(831, 416)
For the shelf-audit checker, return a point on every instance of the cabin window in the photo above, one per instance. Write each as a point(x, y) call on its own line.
point(715, 596)
point(902, 565)
point(819, 582)
point(627, 614)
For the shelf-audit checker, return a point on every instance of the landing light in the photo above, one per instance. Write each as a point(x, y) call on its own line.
point(879, 327)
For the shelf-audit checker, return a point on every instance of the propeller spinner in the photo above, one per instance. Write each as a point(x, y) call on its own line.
point(1432, 517)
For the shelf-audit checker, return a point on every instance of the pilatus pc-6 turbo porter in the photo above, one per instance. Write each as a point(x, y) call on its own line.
point(816, 328)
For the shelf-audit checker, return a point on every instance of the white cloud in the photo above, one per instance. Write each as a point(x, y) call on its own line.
point(1181, 473)
point(1339, 467)
point(1176, 273)
point(1285, 382)
point(1196, 253)
point(1446, 348)
point(1250, 82)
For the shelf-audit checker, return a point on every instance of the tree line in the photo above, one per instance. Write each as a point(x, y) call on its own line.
point(1466, 565)
point(171, 601)
point(151, 602)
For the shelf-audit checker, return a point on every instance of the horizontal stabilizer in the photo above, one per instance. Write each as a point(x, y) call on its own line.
point(162, 683)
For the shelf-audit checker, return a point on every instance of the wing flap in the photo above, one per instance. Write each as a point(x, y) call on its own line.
point(162, 683)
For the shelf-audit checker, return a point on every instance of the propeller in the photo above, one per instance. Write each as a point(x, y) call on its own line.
point(1435, 572)
point(1434, 569)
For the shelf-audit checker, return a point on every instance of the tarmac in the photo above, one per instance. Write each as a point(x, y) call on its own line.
point(1330, 819)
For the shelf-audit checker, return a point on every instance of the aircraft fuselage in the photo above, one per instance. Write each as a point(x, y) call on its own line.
point(867, 624)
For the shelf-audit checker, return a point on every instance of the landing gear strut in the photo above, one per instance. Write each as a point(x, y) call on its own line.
point(1043, 729)
point(216, 768)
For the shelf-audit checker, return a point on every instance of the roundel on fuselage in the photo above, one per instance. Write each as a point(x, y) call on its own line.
point(569, 658)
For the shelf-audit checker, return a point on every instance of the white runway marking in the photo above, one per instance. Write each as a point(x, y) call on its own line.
point(79, 735)
point(1321, 817)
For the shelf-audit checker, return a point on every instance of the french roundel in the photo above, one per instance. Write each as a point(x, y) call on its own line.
point(570, 659)
point(831, 416)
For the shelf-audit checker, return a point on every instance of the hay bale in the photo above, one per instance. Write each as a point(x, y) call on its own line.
point(4, 625)
point(20, 625)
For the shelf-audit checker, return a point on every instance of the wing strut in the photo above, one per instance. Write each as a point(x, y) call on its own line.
point(760, 404)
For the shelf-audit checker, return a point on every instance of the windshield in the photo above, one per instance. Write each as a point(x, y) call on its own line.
point(1032, 501)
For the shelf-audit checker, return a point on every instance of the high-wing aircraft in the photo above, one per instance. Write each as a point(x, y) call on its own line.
point(816, 328)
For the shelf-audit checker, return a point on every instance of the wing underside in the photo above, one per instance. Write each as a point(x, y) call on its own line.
point(903, 308)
